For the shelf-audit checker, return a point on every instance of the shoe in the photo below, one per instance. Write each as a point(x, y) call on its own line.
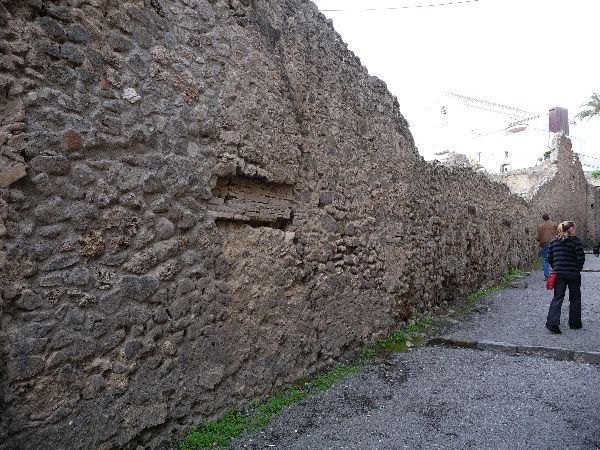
point(575, 327)
point(553, 329)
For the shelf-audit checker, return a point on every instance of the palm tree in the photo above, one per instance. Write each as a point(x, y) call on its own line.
point(592, 108)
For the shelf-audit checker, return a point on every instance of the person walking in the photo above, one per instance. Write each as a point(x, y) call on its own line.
point(566, 256)
point(545, 232)
point(596, 249)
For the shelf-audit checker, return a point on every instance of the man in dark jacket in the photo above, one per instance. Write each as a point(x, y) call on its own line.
point(597, 247)
point(566, 257)
point(545, 232)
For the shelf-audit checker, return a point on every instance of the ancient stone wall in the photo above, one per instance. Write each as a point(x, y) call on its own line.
point(218, 200)
point(593, 209)
point(558, 187)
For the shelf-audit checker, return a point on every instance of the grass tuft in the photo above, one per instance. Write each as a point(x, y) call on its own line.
point(335, 375)
point(503, 282)
point(397, 339)
point(232, 424)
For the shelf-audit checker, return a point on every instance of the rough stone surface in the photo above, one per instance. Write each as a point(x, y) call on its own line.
point(258, 213)
point(593, 210)
point(11, 174)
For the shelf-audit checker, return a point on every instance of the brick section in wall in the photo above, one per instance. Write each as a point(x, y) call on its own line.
point(254, 202)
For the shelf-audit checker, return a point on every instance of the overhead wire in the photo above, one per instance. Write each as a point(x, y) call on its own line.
point(391, 8)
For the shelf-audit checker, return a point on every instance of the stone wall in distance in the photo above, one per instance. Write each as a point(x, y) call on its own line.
point(557, 187)
point(593, 208)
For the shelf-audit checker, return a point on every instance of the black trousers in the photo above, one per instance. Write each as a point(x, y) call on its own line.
point(573, 282)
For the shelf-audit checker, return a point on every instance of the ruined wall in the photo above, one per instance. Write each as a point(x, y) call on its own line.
point(557, 186)
point(527, 182)
point(593, 210)
point(218, 200)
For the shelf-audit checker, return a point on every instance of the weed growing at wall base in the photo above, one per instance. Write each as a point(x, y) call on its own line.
point(232, 424)
point(397, 341)
point(217, 433)
point(503, 282)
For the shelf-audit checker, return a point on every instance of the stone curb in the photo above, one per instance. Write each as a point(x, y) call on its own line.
point(562, 354)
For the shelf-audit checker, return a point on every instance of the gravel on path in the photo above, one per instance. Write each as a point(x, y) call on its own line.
point(455, 398)
point(439, 398)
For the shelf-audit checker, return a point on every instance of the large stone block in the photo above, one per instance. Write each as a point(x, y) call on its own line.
point(8, 175)
point(138, 289)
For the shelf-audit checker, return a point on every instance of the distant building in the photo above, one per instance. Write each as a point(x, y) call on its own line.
point(496, 137)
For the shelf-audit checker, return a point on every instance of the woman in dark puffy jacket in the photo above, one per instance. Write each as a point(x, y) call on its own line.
point(566, 257)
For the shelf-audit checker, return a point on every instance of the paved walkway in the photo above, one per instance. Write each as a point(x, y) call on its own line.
point(516, 317)
point(519, 387)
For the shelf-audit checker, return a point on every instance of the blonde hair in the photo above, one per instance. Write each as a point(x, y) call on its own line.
point(563, 229)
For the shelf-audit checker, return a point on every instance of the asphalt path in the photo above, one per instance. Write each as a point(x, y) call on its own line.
point(517, 387)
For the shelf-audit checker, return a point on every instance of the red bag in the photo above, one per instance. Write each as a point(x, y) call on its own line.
point(551, 280)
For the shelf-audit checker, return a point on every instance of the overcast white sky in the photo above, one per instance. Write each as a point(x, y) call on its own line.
point(530, 54)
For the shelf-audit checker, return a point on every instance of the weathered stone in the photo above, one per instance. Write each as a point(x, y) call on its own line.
point(61, 261)
point(51, 231)
point(62, 339)
point(161, 315)
point(83, 174)
point(179, 308)
point(11, 174)
point(83, 216)
point(164, 228)
point(79, 276)
point(143, 261)
point(132, 348)
point(160, 205)
point(187, 221)
point(96, 60)
point(71, 53)
point(132, 315)
point(77, 351)
point(51, 164)
point(30, 300)
point(119, 42)
point(184, 286)
point(74, 317)
point(52, 29)
point(72, 140)
point(24, 367)
point(51, 211)
point(134, 288)
point(114, 259)
point(78, 34)
point(92, 244)
point(22, 346)
point(111, 341)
